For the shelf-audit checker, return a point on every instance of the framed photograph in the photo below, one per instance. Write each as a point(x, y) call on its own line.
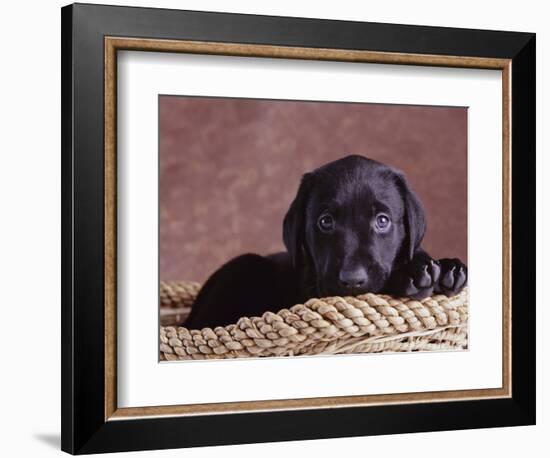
point(284, 228)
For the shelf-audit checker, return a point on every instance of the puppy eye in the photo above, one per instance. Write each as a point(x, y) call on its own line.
point(382, 222)
point(326, 222)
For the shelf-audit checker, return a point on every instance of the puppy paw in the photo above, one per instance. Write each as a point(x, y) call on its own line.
point(417, 279)
point(453, 277)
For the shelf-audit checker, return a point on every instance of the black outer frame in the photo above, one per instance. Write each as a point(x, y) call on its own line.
point(84, 429)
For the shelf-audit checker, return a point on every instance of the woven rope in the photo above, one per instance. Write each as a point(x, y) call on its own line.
point(176, 299)
point(178, 293)
point(368, 323)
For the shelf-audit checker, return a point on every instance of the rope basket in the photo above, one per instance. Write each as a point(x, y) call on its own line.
point(369, 323)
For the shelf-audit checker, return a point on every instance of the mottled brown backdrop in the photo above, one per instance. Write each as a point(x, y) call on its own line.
point(229, 169)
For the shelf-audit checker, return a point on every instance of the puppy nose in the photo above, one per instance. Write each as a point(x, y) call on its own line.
point(353, 278)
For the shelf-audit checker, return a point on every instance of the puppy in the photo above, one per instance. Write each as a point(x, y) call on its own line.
point(354, 227)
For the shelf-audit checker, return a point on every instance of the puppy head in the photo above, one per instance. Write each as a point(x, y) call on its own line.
point(352, 222)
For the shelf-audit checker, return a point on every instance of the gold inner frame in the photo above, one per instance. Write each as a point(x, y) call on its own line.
point(114, 44)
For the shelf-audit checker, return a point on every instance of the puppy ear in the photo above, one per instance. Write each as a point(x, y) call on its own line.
point(294, 223)
point(415, 218)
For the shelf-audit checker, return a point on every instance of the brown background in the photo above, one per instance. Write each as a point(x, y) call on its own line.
point(229, 169)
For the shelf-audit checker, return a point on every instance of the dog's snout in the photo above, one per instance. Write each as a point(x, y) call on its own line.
point(353, 278)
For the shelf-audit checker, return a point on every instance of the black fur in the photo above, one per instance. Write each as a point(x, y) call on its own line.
point(350, 252)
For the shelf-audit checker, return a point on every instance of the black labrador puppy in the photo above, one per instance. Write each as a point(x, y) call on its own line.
point(354, 227)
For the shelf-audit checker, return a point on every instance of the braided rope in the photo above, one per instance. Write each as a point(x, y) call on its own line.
point(368, 323)
point(176, 300)
point(178, 293)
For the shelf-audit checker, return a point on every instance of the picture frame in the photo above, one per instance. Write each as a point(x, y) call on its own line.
point(92, 421)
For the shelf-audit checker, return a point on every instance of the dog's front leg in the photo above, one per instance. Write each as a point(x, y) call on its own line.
point(452, 278)
point(418, 278)
point(422, 276)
